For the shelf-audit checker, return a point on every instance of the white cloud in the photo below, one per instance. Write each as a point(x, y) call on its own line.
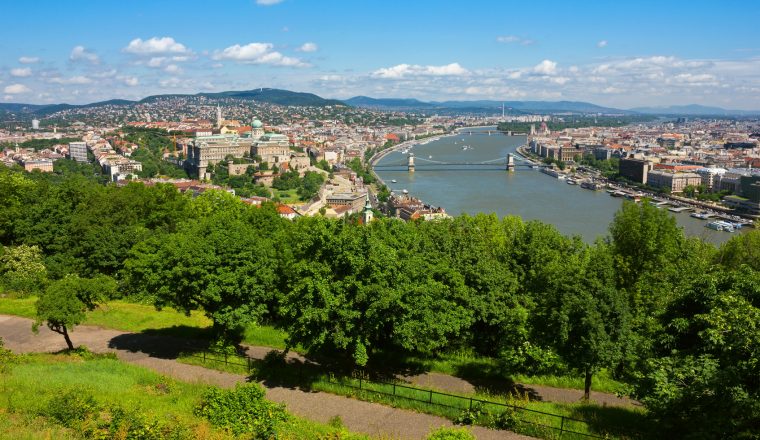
point(15, 89)
point(601, 44)
point(268, 2)
point(405, 70)
point(105, 74)
point(257, 53)
point(546, 67)
point(131, 81)
point(510, 39)
point(73, 80)
point(29, 60)
point(21, 72)
point(172, 68)
point(308, 47)
point(79, 53)
point(155, 45)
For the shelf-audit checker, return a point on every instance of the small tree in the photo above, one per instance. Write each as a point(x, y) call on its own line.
point(64, 303)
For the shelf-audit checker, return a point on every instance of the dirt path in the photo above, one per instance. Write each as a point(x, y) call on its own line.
point(159, 353)
point(534, 392)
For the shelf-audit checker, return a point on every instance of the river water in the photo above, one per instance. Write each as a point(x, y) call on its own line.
point(525, 192)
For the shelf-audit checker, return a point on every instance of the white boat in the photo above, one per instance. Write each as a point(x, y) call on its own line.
point(393, 181)
point(700, 215)
point(720, 225)
point(405, 191)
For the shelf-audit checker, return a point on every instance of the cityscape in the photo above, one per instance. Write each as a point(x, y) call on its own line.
point(284, 233)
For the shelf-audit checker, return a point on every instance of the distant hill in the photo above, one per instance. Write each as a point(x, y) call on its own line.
point(483, 106)
point(272, 96)
point(693, 110)
point(390, 103)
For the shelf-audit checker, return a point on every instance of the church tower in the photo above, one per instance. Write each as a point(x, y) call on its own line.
point(218, 116)
point(367, 212)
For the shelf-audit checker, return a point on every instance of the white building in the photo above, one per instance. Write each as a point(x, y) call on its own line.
point(78, 151)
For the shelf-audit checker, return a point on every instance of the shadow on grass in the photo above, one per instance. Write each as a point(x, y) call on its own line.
point(621, 422)
point(490, 378)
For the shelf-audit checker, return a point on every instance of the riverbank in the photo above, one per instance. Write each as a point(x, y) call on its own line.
point(715, 210)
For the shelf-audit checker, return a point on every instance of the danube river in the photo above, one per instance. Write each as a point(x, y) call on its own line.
point(525, 192)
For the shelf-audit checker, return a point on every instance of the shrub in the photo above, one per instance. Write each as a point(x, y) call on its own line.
point(71, 407)
point(242, 410)
point(470, 416)
point(505, 420)
point(451, 434)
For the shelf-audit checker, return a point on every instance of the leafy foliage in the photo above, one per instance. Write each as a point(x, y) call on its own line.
point(242, 410)
point(23, 270)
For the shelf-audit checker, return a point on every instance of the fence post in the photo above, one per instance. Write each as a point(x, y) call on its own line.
point(225, 358)
point(431, 397)
point(204, 357)
point(394, 388)
point(561, 426)
point(470, 403)
point(360, 382)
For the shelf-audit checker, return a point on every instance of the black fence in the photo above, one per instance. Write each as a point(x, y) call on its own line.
point(560, 424)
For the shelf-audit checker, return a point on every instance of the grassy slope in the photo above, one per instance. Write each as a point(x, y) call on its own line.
point(132, 317)
point(27, 386)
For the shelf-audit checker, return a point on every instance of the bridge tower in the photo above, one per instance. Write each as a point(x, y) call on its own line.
point(510, 162)
point(410, 163)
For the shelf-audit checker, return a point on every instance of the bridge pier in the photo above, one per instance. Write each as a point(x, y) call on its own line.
point(410, 163)
point(510, 162)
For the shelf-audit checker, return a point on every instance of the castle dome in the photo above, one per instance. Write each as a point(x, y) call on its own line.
point(257, 124)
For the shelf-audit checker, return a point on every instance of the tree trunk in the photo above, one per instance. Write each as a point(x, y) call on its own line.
point(587, 386)
point(65, 334)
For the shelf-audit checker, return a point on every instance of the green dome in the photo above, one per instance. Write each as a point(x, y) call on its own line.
point(257, 123)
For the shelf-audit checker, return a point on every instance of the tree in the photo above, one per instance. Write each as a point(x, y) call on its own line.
point(593, 322)
point(22, 269)
point(702, 381)
point(221, 263)
point(64, 303)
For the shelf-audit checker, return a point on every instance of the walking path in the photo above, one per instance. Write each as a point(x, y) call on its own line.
point(159, 353)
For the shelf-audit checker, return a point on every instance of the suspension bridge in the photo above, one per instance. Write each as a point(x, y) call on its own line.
point(510, 163)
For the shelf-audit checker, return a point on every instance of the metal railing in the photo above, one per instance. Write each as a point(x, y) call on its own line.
point(564, 424)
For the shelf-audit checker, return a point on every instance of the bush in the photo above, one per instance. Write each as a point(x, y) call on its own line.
point(242, 410)
point(470, 416)
point(451, 434)
point(505, 420)
point(72, 407)
point(6, 357)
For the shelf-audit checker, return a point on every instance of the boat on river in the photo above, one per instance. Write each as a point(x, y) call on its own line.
point(720, 225)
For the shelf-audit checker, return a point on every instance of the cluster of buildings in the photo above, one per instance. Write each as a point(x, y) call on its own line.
point(721, 156)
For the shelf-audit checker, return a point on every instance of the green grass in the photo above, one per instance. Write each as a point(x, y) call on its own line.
point(265, 336)
point(18, 306)
point(28, 385)
point(287, 196)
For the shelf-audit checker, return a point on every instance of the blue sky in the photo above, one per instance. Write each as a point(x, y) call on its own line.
point(624, 55)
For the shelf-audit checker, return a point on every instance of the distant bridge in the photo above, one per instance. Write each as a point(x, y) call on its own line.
point(509, 163)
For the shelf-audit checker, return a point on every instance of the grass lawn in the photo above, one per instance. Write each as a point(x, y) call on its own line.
point(287, 196)
point(27, 386)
